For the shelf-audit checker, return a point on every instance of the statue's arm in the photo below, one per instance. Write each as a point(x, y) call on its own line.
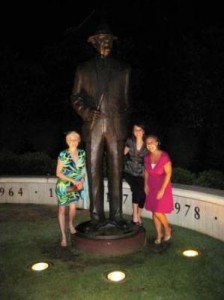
point(127, 89)
point(78, 98)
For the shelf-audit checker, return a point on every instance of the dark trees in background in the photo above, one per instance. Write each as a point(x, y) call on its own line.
point(179, 93)
point(195, 83)
point(177, 90)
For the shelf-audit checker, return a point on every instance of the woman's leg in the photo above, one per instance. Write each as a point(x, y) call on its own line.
point(132, 182)
point(163, 219)
point(139, 215)
point(158, 227)
point(61, 221)
point(72, 212)
point(135, 212)
point(141, 197)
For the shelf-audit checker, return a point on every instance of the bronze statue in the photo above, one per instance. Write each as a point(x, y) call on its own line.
point(101, 97)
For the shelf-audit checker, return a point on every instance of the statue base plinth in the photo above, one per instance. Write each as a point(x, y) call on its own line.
point(108, 239)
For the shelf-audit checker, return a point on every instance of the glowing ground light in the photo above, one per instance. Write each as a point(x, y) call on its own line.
point(41, 266)
point(190, 253)
point(116, 276)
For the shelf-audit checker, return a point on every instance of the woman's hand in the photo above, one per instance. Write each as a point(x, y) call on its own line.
point(80, 185)
point(160, 194)
point(146, 189)
point(168, 172)
point(77, 184)
point(126, 150)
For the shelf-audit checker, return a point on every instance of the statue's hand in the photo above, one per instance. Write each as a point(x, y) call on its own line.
point(94, 114)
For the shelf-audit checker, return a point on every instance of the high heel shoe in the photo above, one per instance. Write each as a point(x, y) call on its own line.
point(63, 244)
point(168, 237)
point(157, 242)
point(137, 223)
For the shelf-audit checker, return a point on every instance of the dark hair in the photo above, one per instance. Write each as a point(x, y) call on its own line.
point(139, 124)
point(154, 136)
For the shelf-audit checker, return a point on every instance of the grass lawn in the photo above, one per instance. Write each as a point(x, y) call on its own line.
point(30, 233)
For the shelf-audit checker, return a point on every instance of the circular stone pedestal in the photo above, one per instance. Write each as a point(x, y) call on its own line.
point(108, 239)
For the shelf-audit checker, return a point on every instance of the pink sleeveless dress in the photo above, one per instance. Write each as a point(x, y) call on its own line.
point(156, 177)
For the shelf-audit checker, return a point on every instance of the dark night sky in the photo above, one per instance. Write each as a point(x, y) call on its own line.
point(29, 27)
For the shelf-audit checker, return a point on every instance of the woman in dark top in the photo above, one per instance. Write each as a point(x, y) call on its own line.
point(135, 151)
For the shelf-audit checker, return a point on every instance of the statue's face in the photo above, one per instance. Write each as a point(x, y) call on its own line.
point(103, 44)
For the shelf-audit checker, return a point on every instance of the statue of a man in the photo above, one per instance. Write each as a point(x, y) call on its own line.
point(100, 96)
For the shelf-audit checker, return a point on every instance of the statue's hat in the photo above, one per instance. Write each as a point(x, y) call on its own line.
point(102, 29)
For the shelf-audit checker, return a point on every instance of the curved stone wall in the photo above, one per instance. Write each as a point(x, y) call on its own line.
point(196, 208)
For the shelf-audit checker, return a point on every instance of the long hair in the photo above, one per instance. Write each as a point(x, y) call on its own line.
point(140, 125)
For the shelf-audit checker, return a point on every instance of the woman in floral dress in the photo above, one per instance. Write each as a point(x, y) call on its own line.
point(71, 173)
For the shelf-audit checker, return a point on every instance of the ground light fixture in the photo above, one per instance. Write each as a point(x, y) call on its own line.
point(116, 275)
point(40, 266)
point(190, 253)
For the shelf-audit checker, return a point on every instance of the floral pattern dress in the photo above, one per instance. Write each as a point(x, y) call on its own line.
point(73, 170)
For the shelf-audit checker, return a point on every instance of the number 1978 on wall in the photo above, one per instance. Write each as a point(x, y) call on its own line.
point(187, 209)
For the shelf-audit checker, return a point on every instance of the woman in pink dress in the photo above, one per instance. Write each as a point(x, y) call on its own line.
point(158, 189)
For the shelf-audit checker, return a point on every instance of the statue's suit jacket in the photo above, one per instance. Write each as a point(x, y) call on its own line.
point(111, 78)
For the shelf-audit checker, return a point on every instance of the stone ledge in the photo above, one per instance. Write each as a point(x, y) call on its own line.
point(196, 208)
